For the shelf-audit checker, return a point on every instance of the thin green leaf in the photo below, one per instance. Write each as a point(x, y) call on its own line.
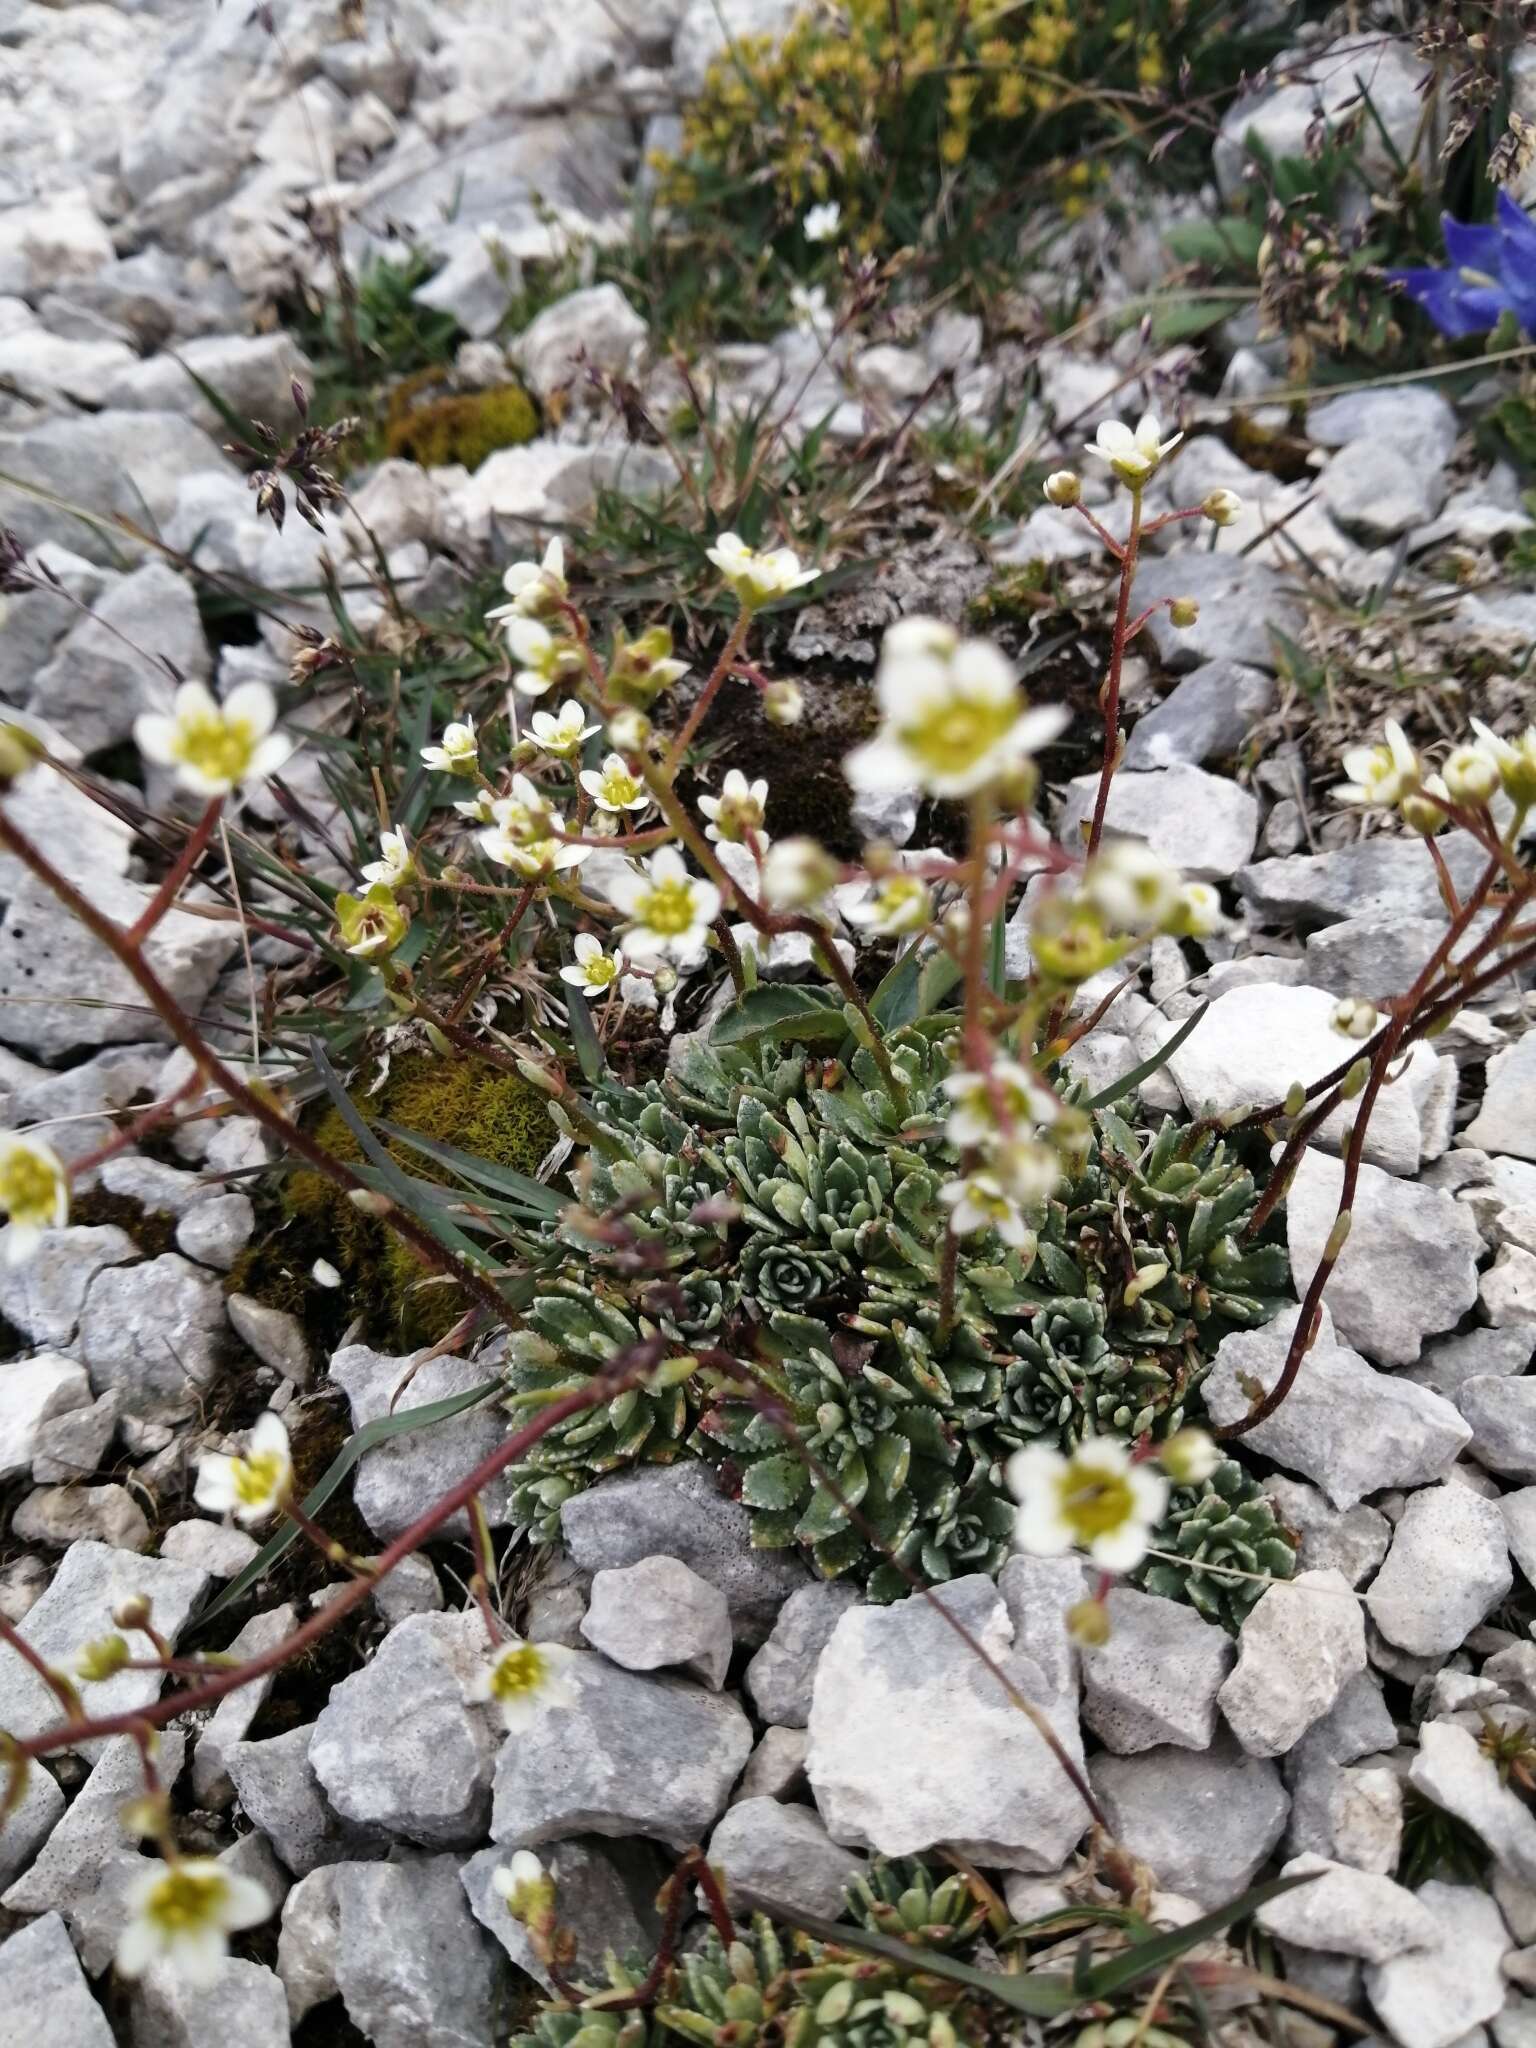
point(776, 1011)
point(501, 1180)
point(913, 987)
point(1159, 1060)
point(237, 422)
point(589, 1052)
point(372, 1433)
point(1040, 1996)
point(1148, 1958)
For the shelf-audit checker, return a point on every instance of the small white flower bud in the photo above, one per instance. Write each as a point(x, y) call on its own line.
point(1355, 1016)
point(664, 980)
point(783, 704)
point(1221, 507)
point(1471, 775)
point(629, 730)
point(1064, 487)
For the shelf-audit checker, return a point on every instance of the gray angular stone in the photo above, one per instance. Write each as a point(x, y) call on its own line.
point(1452, 1771)
point(157, 1188)
point(396, 1480)
point(632, 1755)
point(410, 1587)
point(276, 1337)
point(1431, 1998)
point(915, 1743)
point(29, 1824)
point(306, 1943)
point(61, 1515)
point(231, 1719)
point(154, 1332)
point(1379, 956)
point(1352, 1543)
point(243, 2007)
point(73, 1445)
point(1519, 1512)
point(41, 1982)
point(658, 1615)
point(1409, 415)
point(1408, 1269)
point(783, 1857)
point(1446, 1366)
point(1507, 1291)
point(679, 1511)
point(1447, 1568)
point(780, 1677)
point(32, 1391)
point(1377, 491)
point(1502, 1413)
point(1240, 601)
point(280, 1794)
point(776, 1768)
point(1402, 1434)
point(1506, 1120)
point(1156, 1679)
point(77, 1607)
point(1299, 1647)
point(113, 462)
point(251, 372)
point(44, 1296)
point(219, 1550)
point(1208, 716)
point(1365, 1818)
point(1391, 877)
point(397, 1747)
point(1347, 1912)
point(1204, 825)
point(105, 670)
point(1204, 1821)
point(605, 1897)
point(594, 327)
point(414, 1968)
point(216, 1232)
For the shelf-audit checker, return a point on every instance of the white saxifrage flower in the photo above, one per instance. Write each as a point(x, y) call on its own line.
point(595, 971)
point(615, 786)
point(808, 303)
point(1064, 488)
point(738, 811)
point(215, 747)
point(797, 873)
point(525, 1885)
point(534, 589)
point(1471, 774)
point(1027, 1169)
point(458, 752)
point(183, 1914)
point(981, 1202)
point(952, 716)
point(1514, 759)
point(543, 660)
point(893, 907)
point(1097, 1501)
point(758, 575)
point(532, 852)
point(1381, 776)
point(34, 1193)
point(1221, 506)
point(669, 910)
point(250, 1487)
point(1189, 1457)
point(524, 1681)
point(1198, 913)
point(1005, 1098)
point(1133, 453)
point(1133, 890)
point(397, 867)
point(822, 222)
point(561, 733)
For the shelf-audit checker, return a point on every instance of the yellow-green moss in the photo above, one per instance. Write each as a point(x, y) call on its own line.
point(464, 427)
point(152, 1230)
point(465, 1103)
point(1015, 596)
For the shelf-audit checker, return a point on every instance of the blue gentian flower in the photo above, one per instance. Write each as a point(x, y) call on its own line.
point(1492, 272)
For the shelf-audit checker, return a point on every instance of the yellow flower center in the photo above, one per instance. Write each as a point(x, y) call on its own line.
point(518, 1672)
point(619, 787)
point(28, 1188)
point(185, 1900)
point(257, 1480)
point(218, 747)
point(600, 972)
point(1093, 1503)
point(668, 908)
point(951, 737)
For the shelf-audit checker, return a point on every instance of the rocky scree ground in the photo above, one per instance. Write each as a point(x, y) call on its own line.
point(157, 166)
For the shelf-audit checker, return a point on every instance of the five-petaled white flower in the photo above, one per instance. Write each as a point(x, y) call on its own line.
point(545, 660)
point(526, 1680)
point(822, 222)
point(397, 867)
point(533, 854)
point(34, 1193)
point(534, 589)
point(595, 971)
point(615, 786)
point(459, 753)
point(252, 1487)
point(797, 873)
point(757, 575)
point(1097, 1500)
point(1381, 775)
point(1027, 1169)
point(215, 747)
point(525, 1885)
point(183, 1913)
point(670, 911)
point(736, 814)
point(952, 716)
point(1131, 887)
point(1198, 913)
point(1005, 1099)
point(1514, 759)
point(561, 733)
point(893, 907)
point(1133, 453)
point(981, 1202)
point(808, 303)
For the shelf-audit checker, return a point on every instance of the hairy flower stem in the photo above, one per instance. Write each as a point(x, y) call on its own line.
point(1111, 692)
point(254, 1103)
point(707, 695)
point(974, 1037)
point(191, 852)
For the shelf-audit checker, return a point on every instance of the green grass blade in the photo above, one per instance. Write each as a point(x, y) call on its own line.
point(1148, 1958)
point(1039, 1997)
point(541, 1201)
point(1116, 1089)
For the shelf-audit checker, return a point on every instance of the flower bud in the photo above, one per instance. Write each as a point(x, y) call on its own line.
point(664, 979)
point(1221, 507)
point(629, 730)
point(1354, 1080)
point(1420, 811)
point(1088, 1624)
point(1295, 1099)
point(370, 1201)
point(1355, 1016)
point(1064, 487)
point(1471, 775)
point(783, 704)
point(1189, 1457)
point(132, 1612)
point(1183, 611)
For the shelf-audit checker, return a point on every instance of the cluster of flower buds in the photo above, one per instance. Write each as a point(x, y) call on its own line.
point(1124, 896)
point(1391, 776)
